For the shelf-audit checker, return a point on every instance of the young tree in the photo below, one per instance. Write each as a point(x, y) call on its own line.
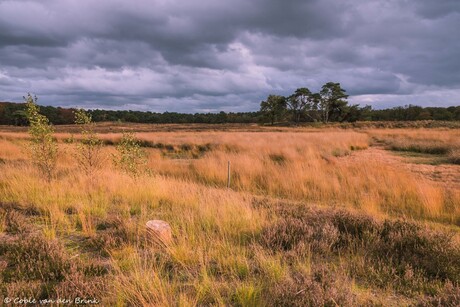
point(43, 146)
point(332, 101)
point(89, 153)
point(301, 103)
point(274, 107)
point(130, 157)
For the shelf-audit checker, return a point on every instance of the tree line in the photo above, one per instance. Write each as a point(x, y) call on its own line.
point(329, 105)
point(14, 114)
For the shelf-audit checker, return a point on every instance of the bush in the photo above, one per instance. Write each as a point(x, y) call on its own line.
point(89, 155)
point(43, 146)
point(130, 157)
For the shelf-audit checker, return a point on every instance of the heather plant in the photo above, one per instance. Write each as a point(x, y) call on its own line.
point(89, 154)
point(130, 157)
point(36, 267)
point(322, 287)
point(43, 146)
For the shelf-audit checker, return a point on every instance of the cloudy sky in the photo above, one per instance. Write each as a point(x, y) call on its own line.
point(209, 55)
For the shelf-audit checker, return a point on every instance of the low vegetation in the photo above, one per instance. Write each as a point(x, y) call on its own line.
point(454, 156)
point(397, 255)
point(306, 220)
point(440, 143)
point(34, 266)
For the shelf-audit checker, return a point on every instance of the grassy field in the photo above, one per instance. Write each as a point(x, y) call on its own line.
point(313, 216)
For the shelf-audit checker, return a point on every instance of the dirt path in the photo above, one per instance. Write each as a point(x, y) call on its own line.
point(444, 174)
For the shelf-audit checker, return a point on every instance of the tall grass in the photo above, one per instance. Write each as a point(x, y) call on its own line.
point(439, 142)
point(228, 243)
point(297, 166)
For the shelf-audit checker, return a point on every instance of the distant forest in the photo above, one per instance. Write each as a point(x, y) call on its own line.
point(14, 114)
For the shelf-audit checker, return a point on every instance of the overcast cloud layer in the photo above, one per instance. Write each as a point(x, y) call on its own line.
point(208, 55)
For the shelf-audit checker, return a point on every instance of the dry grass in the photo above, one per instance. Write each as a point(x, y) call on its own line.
point(436, 141)
point(275, 237)
point(454, 156)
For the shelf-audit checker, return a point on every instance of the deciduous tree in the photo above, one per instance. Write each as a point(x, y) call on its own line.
point(130, 157)
point(89, 149)
point(300, 103)
point(273, 108)
point(332, 101)
point(43, 146)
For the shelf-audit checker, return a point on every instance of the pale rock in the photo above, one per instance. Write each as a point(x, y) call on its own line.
point(159, 231)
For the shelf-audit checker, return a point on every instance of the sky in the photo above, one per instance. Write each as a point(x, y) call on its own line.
point(209, 56)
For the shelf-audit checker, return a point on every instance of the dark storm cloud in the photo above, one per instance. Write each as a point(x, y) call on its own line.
point(433, 9)
point(206, 55)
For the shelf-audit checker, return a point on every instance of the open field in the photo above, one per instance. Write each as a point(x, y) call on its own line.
point(107, 127)
point(358, 216)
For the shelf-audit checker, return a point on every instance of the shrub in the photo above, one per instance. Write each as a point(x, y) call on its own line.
point(43, 146)
point(130, 157)
point(89, 155)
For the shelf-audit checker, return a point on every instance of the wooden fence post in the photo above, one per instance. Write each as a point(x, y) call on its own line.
point(228, 175)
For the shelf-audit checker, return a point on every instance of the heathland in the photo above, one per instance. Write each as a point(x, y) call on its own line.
point(313, 216)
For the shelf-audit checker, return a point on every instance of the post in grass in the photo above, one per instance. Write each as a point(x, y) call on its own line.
point(228, 175)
